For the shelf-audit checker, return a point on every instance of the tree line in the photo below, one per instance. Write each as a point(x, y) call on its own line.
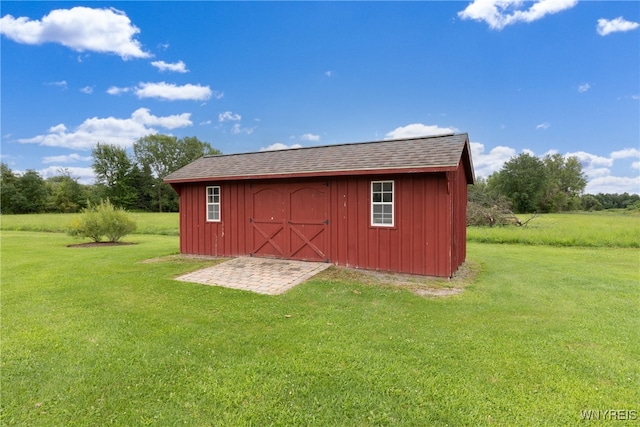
point(132, 181)
point(529, 184)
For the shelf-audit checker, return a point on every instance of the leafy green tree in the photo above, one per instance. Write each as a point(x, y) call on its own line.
point(7, 189)
point(522, 180)
point(158, 155)
point(590, 203)
point(612, 200)
point(31, 193)
point(65, 193)
point(157, 152)
point(629, 200)
point(191, 148)
point(143, 182)
point(564, 184)
point(136, 182)
point(93, 194)
point(163, 154)
point(113, 167)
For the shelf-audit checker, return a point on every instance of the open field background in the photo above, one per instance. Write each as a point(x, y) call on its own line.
point(98, 336)
point(166, 224)
point(592, 229)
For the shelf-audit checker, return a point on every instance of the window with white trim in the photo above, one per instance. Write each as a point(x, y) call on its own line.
point(382, 203)
point(213, 203)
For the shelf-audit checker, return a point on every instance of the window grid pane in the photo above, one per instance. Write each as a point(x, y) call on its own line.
point(213, 203)
point(382, 203)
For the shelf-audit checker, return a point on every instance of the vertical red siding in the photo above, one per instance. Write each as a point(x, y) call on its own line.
point(197, 235)
point(418, 243)
point(428, 237)
point(459, 224)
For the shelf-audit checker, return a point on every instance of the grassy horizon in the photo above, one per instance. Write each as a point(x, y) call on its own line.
point(158, 223)
point(99, 336)
point(586, 229)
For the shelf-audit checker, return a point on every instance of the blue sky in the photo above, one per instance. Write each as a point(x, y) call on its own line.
point(542, 77)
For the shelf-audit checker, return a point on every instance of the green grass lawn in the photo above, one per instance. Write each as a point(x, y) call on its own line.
point(147, 223)
point(592, 229)
point(96, 336)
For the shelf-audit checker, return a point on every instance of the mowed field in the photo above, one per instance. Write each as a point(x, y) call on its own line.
point(545, 333)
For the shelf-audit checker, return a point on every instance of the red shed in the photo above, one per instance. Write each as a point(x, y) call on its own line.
point(393, 205)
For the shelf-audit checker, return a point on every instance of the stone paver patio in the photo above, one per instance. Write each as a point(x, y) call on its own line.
point(261, 275)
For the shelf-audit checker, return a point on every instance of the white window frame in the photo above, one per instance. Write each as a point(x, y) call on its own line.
point(213, 202)
point(378, 200)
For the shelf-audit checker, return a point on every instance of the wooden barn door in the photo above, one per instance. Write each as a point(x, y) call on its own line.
point(308, 222)
point(268, 222)
point(290, 221)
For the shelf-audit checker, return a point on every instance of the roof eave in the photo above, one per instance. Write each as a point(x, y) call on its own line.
point(468, 164)
point(316, 174)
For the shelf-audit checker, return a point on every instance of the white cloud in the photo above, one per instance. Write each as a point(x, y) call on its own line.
point(84, 175)
point(110, 130)
point(599, 177)
point(608, 26)
point(584, 87)
point(71, 158)
point(625, 153)
point(280, 146)
point(228, 116)
point(613, 184)
point(61, 84)
point(596, 168)
point(486, 164)
point(58, 128)
point(591, 160)
point(544, 126)
point(205, 122)
point(87, 89)
point(417, 130)
point(236, 129)
point(176, 67)
point(114, 90)
point(501, 13)
point(310, 137)
point(328, 73)
point(597, 172)
point(142, 115)
point(172, 92)
point(80, 29)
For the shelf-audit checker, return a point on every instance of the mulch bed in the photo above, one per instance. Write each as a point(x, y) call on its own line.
point(99, 244)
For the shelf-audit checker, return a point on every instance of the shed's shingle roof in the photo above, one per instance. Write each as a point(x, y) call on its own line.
point(436, 153)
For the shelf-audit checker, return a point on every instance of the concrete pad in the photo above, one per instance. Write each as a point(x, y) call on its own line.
point(262, 275)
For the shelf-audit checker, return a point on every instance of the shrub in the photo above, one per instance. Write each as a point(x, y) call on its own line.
point(102, 220)
point(486, 207)
point(87, 225)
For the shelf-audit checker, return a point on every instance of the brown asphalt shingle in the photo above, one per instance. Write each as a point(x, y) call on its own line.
point(436, 152)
